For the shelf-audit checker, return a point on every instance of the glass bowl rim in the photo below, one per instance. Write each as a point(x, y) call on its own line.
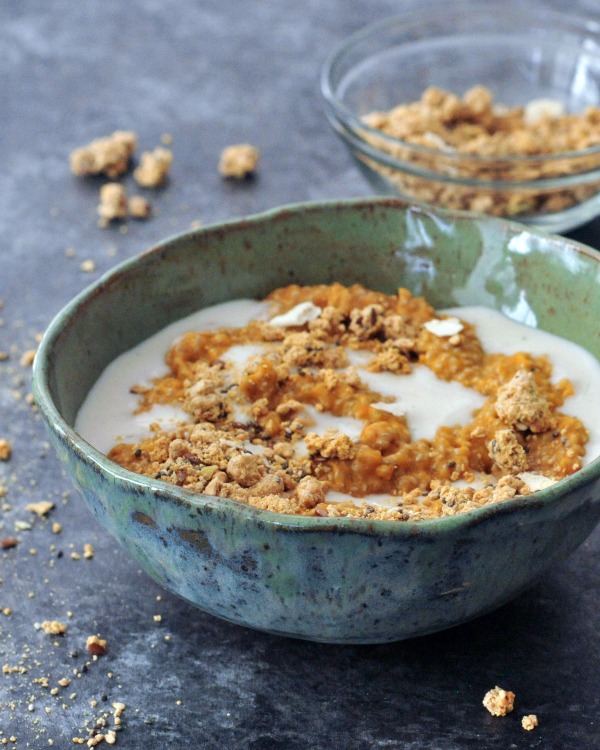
point(354, 124)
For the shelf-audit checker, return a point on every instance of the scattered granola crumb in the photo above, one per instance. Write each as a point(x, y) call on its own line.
point(88, 266)
point(5, 449)
point(88, 551)
point(529, 722)
point(96, 646)
point(154, 167)
point(54, 627)
point(109, 155)
point(444, 123)
point(8, 542)
point(27, 358)
point(42, 508)
point(56, 527)
point(113, 203)
point(499, 702)
point(239, 161)
point(138, 207)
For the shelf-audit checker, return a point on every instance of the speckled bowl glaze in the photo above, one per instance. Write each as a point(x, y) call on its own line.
point(332, 580)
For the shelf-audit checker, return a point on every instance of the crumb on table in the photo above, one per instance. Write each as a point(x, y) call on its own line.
point(239, 160)
point(113, 203)
point(109, 156)
point(499, 702)
point(96, 645)
point(139, 207)
point(154, 167)
point(529, 722)
point(54, 627)
point(5, 449)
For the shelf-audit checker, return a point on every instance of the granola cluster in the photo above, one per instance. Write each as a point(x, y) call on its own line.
point(239, 161)
point(499, 702)
point(455, 131)
point(250, 435)
point(111, 157)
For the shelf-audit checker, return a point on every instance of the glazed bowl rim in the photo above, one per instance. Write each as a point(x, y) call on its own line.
point(198, 501)
point(342, 115)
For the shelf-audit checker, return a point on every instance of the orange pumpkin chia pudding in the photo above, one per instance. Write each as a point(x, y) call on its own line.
point(327, 406)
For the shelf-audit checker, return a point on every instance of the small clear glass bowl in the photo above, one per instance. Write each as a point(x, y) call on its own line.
point(517, 50)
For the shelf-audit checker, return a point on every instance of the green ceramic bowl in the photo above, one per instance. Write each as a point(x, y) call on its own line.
point(342, 580)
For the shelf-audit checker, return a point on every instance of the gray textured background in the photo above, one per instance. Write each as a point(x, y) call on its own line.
point(212, 73)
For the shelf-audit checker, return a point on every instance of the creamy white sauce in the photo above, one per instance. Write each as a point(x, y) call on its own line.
point(107, 415)
point(426, 401)
point(108, 410)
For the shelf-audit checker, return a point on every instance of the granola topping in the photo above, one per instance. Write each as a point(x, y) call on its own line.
point(362, 409)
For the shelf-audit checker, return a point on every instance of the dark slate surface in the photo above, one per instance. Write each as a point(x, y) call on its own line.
point(211, 73)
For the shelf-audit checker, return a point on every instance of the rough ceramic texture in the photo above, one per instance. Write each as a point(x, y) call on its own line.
point(348, 580)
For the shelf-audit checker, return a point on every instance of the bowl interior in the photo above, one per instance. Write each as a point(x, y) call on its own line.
point(450, 258)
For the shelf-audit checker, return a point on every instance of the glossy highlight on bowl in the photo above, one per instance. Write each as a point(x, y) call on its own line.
point(334, 580)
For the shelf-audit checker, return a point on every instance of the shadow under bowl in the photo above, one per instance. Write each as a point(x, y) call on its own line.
point(333, 580)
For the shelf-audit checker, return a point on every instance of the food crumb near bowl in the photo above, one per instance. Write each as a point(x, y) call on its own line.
point(109, 155)
point(239, 161)
point(475, 138)
point(154, 167)
point(499, 702)
point(5, 449)
point(529, 722)
point(312, 402)
point(115, 205)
